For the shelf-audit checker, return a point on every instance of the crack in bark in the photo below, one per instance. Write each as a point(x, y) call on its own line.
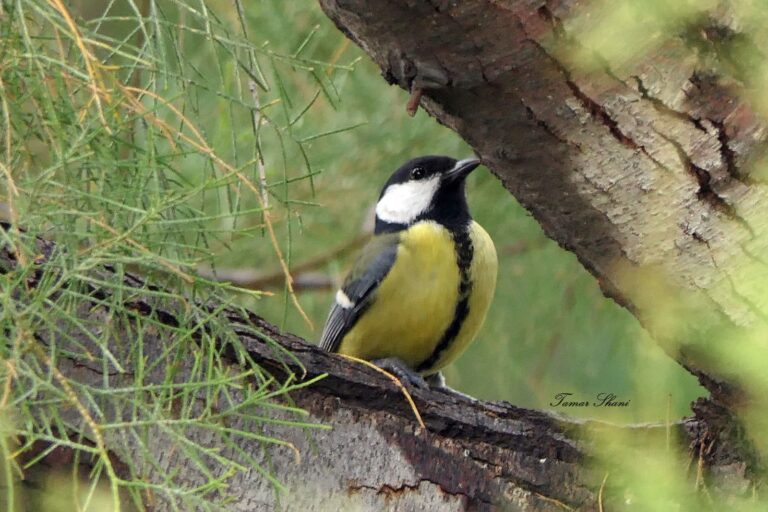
point(390, 490)
point(543, 124)
point(704, 177)
point(726, 153)
point(663, 108)
point(596, 111)
point(599, 113)
point(699, 237)
point(705, 193)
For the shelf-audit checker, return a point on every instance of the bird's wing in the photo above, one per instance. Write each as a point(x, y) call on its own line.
point(373, 264)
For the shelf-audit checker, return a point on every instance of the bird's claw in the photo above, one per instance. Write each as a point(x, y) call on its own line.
point(402, 371)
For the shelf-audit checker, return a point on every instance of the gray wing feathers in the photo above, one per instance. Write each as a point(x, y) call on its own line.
point(332, 332)
point(373, 264)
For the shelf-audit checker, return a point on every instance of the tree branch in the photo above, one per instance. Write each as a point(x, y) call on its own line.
point(473, 454)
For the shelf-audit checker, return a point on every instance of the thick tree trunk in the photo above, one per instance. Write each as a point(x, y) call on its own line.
point(645, 171)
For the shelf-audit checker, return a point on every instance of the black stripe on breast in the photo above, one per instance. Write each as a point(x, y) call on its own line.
point(464, 254)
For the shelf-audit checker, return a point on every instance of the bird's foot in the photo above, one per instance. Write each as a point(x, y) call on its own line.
point(436, 381)
point(402, 371)
point(411, 378)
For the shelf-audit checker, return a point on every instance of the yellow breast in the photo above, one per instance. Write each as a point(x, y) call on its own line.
point(416, 301)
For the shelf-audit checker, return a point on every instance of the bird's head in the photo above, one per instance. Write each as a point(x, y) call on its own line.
point(425, 188)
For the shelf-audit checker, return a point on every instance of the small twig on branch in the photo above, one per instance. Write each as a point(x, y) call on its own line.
point(413, 101)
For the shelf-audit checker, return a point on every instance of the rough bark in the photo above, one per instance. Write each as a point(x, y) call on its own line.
point(472, 456)
point(645, 171)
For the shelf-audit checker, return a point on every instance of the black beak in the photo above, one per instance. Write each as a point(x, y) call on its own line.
point(462, 169)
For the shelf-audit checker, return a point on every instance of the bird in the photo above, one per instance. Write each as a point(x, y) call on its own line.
point(420, 289)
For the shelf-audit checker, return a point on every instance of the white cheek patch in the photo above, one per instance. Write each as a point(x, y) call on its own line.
point(403, 202)
point(343, 301)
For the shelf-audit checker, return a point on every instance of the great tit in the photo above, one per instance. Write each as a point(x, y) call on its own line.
point(420, 289)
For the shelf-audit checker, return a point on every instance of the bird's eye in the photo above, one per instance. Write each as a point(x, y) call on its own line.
point(417, 173)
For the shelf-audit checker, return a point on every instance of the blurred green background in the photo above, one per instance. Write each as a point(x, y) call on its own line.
point(330, 137)
point(549, 330)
